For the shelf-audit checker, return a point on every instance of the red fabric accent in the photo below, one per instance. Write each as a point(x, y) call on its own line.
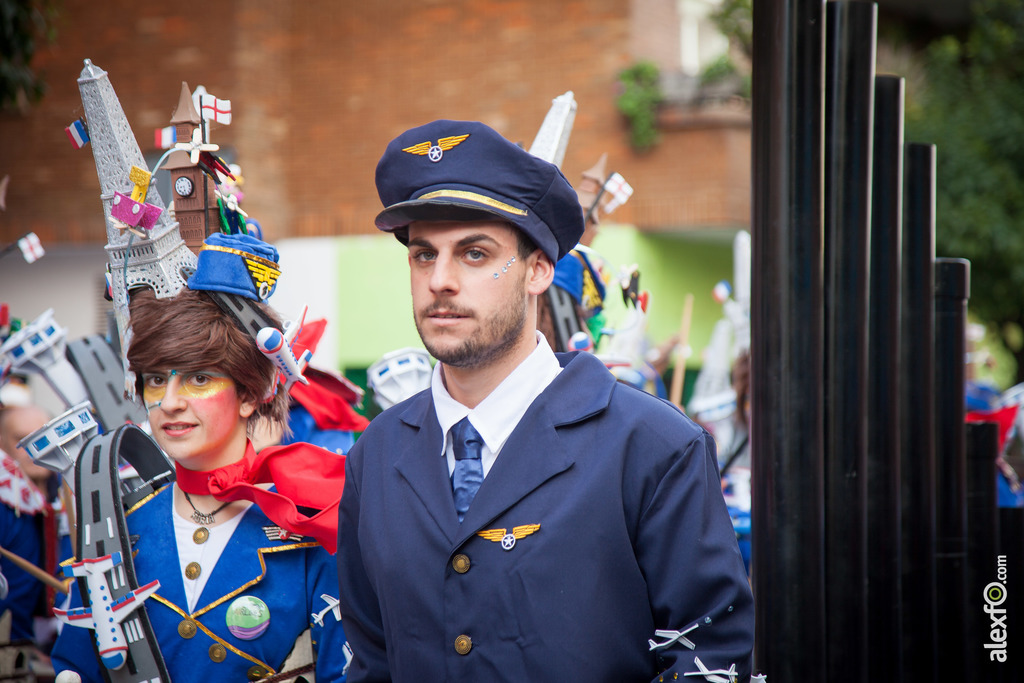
point(1003, 417)
point(303, 474)
point(326, 397)
point(309, 336)
point(329, 408)
point(50, 554)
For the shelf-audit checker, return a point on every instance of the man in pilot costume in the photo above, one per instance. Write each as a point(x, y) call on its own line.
point(527, 518)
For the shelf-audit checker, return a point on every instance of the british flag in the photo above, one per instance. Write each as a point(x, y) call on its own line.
point(31, 248)
point(620, 191)
point(216, 109)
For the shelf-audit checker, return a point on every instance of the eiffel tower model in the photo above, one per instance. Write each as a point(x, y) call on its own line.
point(160, 259)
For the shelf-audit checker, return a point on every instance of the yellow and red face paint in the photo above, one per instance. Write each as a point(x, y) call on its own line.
point(190, 385)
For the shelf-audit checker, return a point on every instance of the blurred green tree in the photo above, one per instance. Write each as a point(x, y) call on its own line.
point(735, 19)
point(638, 102)
point(972, 108)
point(22, 24)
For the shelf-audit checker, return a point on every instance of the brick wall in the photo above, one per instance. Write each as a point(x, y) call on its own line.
point(319, 88)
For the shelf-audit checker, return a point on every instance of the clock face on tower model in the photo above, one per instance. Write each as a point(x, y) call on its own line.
point(183, 186)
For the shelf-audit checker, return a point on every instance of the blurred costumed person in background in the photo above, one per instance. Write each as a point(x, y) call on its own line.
point(30, 518)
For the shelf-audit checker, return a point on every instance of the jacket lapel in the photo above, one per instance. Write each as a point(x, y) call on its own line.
point(421, 465)
point(533, 453)
point(153, 553)
point(239, 566)
point(531, 456)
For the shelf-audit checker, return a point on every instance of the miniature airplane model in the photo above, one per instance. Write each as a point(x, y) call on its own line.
point(278, 348)
point(318, 619)
point(105, 615)
point(673, 637)
point(713, 675)
point(332, 606)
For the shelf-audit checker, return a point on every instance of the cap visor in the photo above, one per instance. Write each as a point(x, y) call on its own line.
point(402, 214)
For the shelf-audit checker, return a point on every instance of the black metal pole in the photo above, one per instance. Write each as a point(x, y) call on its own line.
point(982, 544)
point(786, 322)
point(952, 289)
point(884, 597)
point(849, 108)
point(917, 414)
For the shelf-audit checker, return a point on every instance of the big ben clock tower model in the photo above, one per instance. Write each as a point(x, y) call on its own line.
point(195, 206)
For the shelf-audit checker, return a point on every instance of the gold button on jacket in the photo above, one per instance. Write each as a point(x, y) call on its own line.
point(257, 672)
point(187, 628)
point(193, 570)
point(218, 653)
point(460, 563)
point(463, 644)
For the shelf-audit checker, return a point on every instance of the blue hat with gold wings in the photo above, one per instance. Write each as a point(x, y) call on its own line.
point(236, 264)
point(464, 170)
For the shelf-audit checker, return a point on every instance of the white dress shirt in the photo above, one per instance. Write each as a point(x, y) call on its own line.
point(206, 554)
point(498, 414)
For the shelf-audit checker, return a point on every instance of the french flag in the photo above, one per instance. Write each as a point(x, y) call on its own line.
point(78, 133)
point(166, 137)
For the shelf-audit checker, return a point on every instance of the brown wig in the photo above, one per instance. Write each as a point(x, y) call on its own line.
point(525, 245)
point(190, 332)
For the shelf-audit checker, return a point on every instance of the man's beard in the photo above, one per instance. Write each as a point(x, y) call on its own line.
point(499, 334)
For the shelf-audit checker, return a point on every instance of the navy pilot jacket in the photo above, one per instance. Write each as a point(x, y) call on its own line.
point(601, 522)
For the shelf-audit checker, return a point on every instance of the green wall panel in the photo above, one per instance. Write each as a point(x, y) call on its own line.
point(374, 305)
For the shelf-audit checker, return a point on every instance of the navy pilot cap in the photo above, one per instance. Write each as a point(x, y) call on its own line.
point(464, 170)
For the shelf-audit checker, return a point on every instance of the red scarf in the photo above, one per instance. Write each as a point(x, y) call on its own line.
point(303, 474)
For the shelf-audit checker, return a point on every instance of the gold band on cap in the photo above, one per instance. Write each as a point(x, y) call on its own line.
point(473, 196)
point(244, 254)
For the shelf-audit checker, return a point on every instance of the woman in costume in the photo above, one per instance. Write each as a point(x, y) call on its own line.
point(243, 572)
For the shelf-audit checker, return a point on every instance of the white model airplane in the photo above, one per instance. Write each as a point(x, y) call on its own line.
point(713, 675)
point(278, 348)
point(106, 615)
point(332, 606)
point(673, 637)
point(318, 619)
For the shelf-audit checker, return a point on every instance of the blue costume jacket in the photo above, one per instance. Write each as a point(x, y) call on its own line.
point(20, 534)
point(633, 536)
point(289, 577)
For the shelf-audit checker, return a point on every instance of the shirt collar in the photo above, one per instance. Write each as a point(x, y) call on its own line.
point(499, 413)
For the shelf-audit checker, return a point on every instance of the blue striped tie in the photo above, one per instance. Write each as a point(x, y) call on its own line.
point(469, 471)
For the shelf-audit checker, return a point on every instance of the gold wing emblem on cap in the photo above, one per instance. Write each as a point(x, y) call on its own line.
point(451, 141)
point(444, 143)
point(518, 532)
point(263, 275)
